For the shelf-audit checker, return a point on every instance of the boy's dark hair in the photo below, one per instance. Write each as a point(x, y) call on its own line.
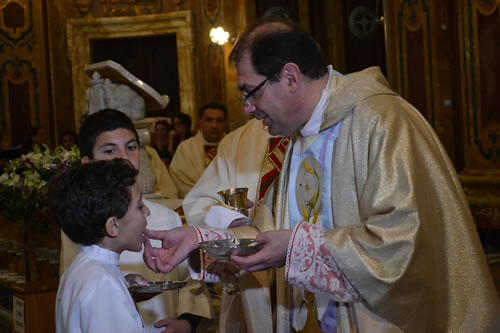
point(69, 133)
point(82, 198)
point(28, 144)
point(184, 119)
point(164, 123)
point(215, 106)
point(97, 123)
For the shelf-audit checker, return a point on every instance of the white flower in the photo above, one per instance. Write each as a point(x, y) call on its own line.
point(11, 179)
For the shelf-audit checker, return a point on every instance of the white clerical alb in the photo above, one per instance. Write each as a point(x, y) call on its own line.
point(93, 296)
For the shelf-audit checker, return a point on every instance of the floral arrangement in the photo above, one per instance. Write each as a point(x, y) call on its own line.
point(23, 183)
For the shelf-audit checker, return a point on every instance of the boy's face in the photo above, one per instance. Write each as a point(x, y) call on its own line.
point(132, 225)
point(119, 143)
point(68, 142)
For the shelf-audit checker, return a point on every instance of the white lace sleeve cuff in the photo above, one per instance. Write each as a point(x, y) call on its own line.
point(310, 266)
point(212, 270)
point(221, 217)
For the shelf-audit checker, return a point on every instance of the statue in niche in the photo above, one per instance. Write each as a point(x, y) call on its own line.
point(113, 87)
point(105, 94)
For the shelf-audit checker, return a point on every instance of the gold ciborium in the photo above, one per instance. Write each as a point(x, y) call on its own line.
point(235, 198)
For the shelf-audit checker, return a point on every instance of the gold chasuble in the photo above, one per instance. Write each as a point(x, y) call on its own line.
point(402, 234)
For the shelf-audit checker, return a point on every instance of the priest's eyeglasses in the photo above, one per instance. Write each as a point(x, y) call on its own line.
point(246, 97)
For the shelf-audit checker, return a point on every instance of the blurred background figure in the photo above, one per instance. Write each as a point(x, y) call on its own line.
point(82, 118)
point(4, 141)
point(7, 152)
point(68, 140)
point(161, 141)
point(4, 145)
point(195, 154)
point(37, 136)
point(182, 129)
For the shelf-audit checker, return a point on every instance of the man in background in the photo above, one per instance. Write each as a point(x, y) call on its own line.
point(195, 154)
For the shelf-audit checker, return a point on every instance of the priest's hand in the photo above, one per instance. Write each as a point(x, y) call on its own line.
point(177, 244)
point(173, 325)
point(272, 254)
point(243, 222)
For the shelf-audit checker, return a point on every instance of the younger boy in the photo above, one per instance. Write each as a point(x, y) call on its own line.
point(98, 205)
point(110, 134)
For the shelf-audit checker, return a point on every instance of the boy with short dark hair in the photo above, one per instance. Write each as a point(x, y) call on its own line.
point(109, 134)
point(98, 205)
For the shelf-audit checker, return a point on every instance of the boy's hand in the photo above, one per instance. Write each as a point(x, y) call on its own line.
point(135, 280)
point(138, 280)
point(173, 325)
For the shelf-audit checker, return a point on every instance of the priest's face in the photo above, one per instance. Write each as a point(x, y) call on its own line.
point(268, 101)
point(119, 143)
point(213, 125)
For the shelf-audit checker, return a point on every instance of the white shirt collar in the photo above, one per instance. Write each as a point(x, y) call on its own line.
point(313, 125)
point(101, 254)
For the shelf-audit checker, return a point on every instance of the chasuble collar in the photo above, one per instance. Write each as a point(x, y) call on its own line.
point(345, 92)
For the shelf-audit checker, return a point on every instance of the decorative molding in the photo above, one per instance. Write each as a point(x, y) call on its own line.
point(413, 16)
point(211, 9)
point(486, 7)
point(362, 22)
point(81, 31)
point(14, 34)
point(114, 8)
point(17, 72)
point(83, 6)
point(482, 132)
point(147, 7)
point(215, 64)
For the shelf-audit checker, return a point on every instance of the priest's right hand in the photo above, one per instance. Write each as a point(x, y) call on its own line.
point(177, 244)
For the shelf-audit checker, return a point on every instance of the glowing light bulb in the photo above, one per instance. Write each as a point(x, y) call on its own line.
point(219, 36)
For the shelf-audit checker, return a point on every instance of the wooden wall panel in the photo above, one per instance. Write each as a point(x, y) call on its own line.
point(24, 93)
point(420, 39)
point(479, 41)
point(480, 71)
point(444, 59)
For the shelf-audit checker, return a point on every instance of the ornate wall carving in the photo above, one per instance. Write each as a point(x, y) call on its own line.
point(479, 38)
point(23, 88)
point(445, 61)
point(130, 7)
point(480, 50)
point(415, 56)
